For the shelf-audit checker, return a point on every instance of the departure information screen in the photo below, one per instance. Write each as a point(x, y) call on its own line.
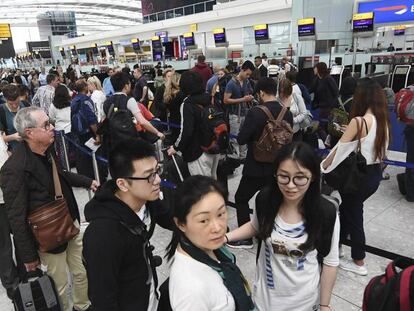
point(261, 32)
point(219, 35)
point(189, 39)
point(363, 22)
point(306, 27)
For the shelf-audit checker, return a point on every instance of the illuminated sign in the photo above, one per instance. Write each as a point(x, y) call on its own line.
point(189, 39)
point(219, 35)
point(5, 32)
point(73, 50)
point(261, 32)
point(193, 27)
point(389, 11)
point(306, 27)
point(62, 52)
point(109, 45)
point(95, 49)
point(156, 43)
point(136, 45)
point(163, 35)
point(363, 22)
point(399, 31)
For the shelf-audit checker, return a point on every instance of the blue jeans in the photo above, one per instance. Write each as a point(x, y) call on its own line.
point(351, 212)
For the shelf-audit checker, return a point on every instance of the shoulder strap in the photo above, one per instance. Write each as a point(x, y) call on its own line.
point(56, 181)
point(359, 133)
point(47, 291)
point(281, 114)
point(267, 112)
point(366, 125)
point(3, 118)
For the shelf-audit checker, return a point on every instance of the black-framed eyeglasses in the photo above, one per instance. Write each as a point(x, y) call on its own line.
point(150, 178)
point(299, 181)
point(46, 126)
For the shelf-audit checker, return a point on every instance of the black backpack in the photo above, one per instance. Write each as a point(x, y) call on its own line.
point(119, 124)
point(214, 130)
point(393, 290)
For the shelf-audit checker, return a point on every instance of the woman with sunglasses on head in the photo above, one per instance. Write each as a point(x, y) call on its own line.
point(203, 274)
point(298, 230)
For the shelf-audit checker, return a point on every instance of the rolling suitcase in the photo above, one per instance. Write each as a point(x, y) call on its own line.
point(36, 294)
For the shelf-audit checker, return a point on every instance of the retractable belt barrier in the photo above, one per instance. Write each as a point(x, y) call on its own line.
point(167, 184)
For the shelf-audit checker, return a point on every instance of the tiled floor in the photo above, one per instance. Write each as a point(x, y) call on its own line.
point(389, 223)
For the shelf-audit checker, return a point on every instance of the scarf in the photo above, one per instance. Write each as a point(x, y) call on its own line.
point(232, 277)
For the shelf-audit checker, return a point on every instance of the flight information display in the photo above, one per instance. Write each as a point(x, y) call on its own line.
point(306, 27)
point(189, 39)
point(363, 22)
point(261, 32)
point(219, 35)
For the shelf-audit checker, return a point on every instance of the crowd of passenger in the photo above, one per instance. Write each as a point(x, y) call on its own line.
point(61, 114)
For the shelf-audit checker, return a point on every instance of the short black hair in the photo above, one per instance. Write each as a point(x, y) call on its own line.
point(62, 97)
point(11, 92)
point(248, 65)
point(50, 77)
point(23, 90)
point(191, 83)
point(201, 59)
point(119, 80)
point(124, 153)
point(266, 85)
point(258, 57)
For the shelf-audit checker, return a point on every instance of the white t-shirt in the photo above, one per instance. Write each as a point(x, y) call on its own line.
point(61, 117)
point(145, 217)
point(195, 286)
point(98, 97)
point(286, 278)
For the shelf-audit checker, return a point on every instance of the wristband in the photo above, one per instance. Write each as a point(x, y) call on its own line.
point(326, 306)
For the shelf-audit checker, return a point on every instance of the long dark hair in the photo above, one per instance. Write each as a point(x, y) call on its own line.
point(370, 95)
point(62, 97)
point(271, 198)
point(322, 69)
point(191, 191)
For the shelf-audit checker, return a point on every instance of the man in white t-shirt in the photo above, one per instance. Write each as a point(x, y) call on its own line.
point(122, 216)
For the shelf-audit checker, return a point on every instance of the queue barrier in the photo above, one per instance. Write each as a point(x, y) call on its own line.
point(167, 184)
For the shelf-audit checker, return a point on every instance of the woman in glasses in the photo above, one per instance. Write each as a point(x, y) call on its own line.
point(297, 230)
point(204, 275)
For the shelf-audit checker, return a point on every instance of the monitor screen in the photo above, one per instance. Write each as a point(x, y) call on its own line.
point(220, 37)
point(261, 34)
point(399, 32)
point(189, 41)
point(136, 46)
point(363, 25)
point(306, 27)
point(169, 49)
point(110, 49)
point(401, 70)
point(156, 44)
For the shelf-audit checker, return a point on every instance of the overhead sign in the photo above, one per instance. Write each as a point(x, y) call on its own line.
point(261, 33)
point(389, 11)
point(306, 27)
point(193, 27)
point(156, 43)
point(363, 22)
point(94, 47)
point(5, 32)
point(189, 39)
point(109, 45)
point(399, 31)
point(163, 36)
point(219, 36)
point(62, 52)
point(136, 46)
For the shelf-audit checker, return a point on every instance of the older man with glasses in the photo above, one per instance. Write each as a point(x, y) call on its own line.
point(27, 183)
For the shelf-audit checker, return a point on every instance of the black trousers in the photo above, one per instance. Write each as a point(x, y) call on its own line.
point(8, 271)
point(351, 212)
point(247, 188)
point(409, 172)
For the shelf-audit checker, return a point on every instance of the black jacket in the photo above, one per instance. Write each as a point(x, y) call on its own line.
point(115, 261)
point(251, 131)
point(326, 92)
point(189, 140)
point(27, 184)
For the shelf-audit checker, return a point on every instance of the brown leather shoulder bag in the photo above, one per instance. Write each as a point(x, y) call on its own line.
point(51, 224)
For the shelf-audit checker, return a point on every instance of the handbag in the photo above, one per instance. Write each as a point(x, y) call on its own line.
point(51, 224)
point(349, 176)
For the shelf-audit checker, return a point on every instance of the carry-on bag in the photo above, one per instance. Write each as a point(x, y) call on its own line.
point(36, 294)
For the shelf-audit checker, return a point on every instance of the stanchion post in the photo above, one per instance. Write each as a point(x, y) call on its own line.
point(95, 167)
point(65, 151)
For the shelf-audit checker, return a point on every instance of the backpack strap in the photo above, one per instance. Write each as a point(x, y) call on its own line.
point(3, 118)
point(405, 289)
point(267, 112)
point(27, 297)
point(47, 291)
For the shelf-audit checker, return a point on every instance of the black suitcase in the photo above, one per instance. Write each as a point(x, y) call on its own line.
point(36, 294)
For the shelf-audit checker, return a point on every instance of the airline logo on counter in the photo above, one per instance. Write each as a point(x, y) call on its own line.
point(389, 11)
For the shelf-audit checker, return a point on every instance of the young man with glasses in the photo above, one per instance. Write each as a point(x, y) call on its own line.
point(255, 174)
point(122, 216)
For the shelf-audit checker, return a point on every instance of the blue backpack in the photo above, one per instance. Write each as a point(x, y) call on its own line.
point(79, 123)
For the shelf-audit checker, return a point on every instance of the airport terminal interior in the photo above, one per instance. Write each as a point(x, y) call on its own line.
point(86, 45)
